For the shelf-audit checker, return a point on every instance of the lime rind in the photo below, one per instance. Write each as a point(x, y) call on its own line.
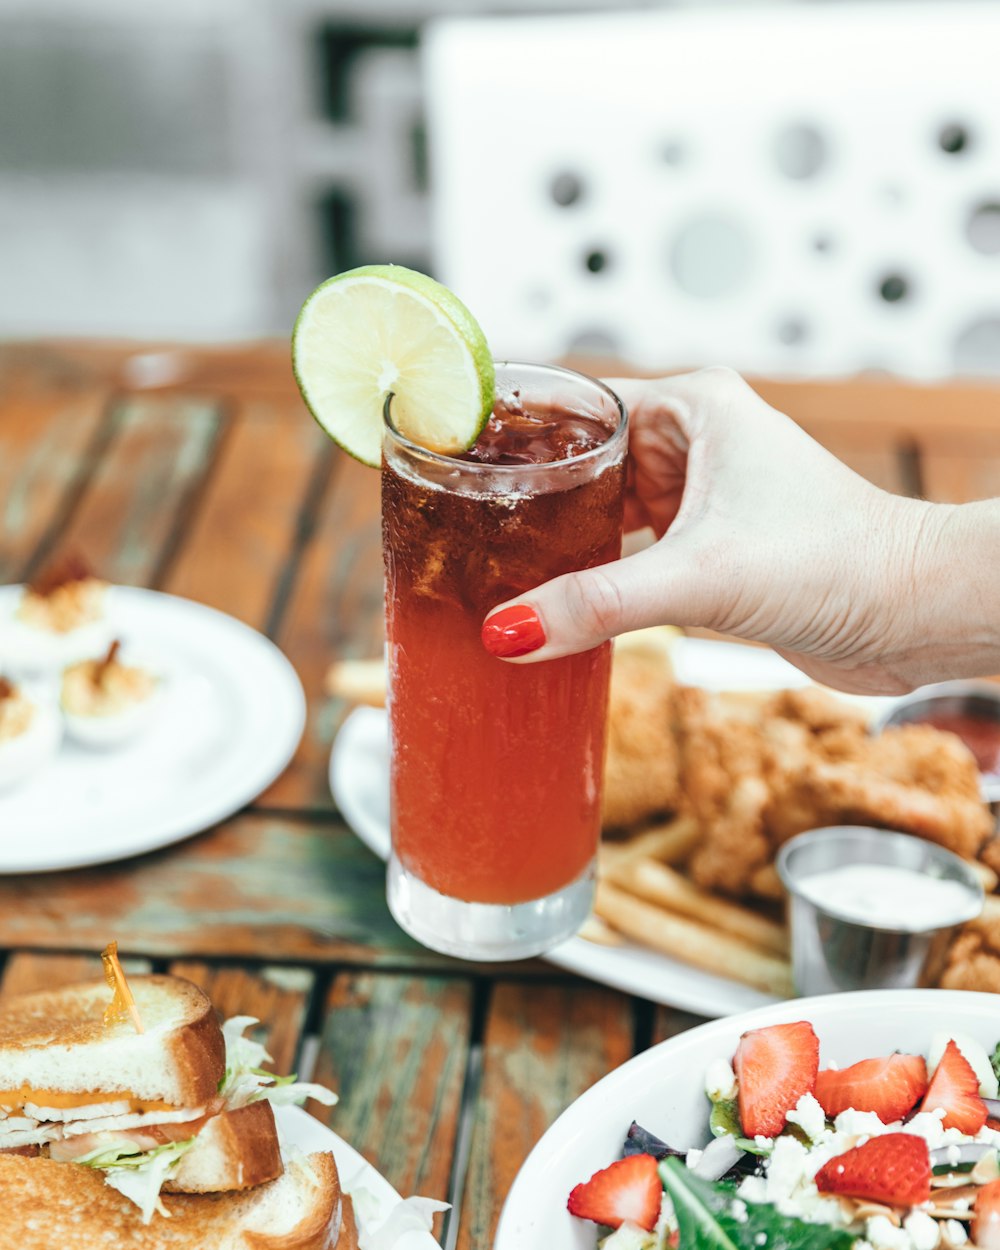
point(381, 329)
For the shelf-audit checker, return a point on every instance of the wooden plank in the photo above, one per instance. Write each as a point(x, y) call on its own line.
point(335, 612)
point(276, 996)
point(543, 1047)
point(264, 887)
point(960, 465)
point(878, 452)
point(395, 1049)
point(670, 1021)
point(905, 407)
point(259, 369)
point(26, 971)
point(143, 486)
point(248, 518)
point(47, 440)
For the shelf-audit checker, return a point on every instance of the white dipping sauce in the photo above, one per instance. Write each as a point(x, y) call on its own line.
point(887, 895)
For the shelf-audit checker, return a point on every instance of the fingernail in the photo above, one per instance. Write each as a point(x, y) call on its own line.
point(513, 631)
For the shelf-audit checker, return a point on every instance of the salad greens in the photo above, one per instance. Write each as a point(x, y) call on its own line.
point(139, 1175)
point(995, 1061)
point(640, 1141)
point(246, 1080)
point(724, 1121)
point(711, 1217)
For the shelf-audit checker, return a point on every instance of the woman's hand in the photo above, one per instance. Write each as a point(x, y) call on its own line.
point(760, 533)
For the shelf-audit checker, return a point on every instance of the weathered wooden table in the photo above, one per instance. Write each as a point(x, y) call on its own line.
point(198, 472)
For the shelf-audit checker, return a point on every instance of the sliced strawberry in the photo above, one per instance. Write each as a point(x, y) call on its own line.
point(629, 1189)
point(774, 1067)
point(894, 1168)
point(986, 1217)
point(890, 1087)
point(954, 1088)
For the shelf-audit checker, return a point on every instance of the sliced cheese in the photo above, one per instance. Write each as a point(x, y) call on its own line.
point(15, 1099)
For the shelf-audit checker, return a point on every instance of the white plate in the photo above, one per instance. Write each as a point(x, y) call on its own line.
point(231, 717)
point(304, 1131)
point(663, 1089)
point(359, 779)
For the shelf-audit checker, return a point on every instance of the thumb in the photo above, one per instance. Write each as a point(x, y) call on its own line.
point(581, 610)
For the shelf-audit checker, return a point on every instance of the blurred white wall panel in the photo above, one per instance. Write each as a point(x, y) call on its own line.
point(802, 189)
point(143, 258)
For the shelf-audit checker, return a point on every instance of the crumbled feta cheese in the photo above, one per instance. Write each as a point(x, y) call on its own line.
point(738, 1210)
point(884, 1235)
point(923, 1231)
point(858, 1123)
point(754, 1189)
point(788, 1182)
point(927, 1124)
point(809, 1116)
point(720, 1080)
point(693, 1157)
point(954, 1233)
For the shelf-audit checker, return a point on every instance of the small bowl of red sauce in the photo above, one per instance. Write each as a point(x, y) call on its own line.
point(969, 709)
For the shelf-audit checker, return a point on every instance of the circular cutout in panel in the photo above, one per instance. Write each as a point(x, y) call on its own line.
point(596, 260)
point(894, 288)
point(595, 341)
point(566, 188)
point(983, 228)
point(711, 256)
point(538, 297)
point(954, 138)
point(800, 151)
point(792, 331)
point(977, 348)
point(672, 152)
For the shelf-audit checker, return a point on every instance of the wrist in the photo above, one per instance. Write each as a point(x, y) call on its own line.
point(948, 616)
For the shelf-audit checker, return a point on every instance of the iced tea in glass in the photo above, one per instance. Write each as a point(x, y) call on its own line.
point(496, 767)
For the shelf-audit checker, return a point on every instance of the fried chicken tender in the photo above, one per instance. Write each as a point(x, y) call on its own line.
point(722, 776)
point(807, 760)
point(974, 958)
point(973, 963)
point(913, 778)
point(640, 770)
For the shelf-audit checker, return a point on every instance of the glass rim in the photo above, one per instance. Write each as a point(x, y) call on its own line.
point(617, 435)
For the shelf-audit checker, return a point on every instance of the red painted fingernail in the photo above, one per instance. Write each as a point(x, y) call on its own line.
point(513, 631)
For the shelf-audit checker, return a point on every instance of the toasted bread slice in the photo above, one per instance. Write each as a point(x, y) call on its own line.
point(54, 1206)
point(234, 1150)
point(56, 1045)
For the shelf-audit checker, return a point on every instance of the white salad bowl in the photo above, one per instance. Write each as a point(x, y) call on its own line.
point(663, 1089)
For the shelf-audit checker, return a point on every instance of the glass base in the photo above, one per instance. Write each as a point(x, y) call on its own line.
point(487, 931)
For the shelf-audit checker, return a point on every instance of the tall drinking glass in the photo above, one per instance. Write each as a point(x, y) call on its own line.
point(496, 767)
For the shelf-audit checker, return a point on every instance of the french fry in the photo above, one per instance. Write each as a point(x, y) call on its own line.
point(692, 943)
point(358, 681)
point(668, 843)
point(657, 641)
point(658, 883)
point(595, 930)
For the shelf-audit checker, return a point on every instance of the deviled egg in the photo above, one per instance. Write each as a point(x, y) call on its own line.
point(29, 734)
point(61, 618)
point(108, 702)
